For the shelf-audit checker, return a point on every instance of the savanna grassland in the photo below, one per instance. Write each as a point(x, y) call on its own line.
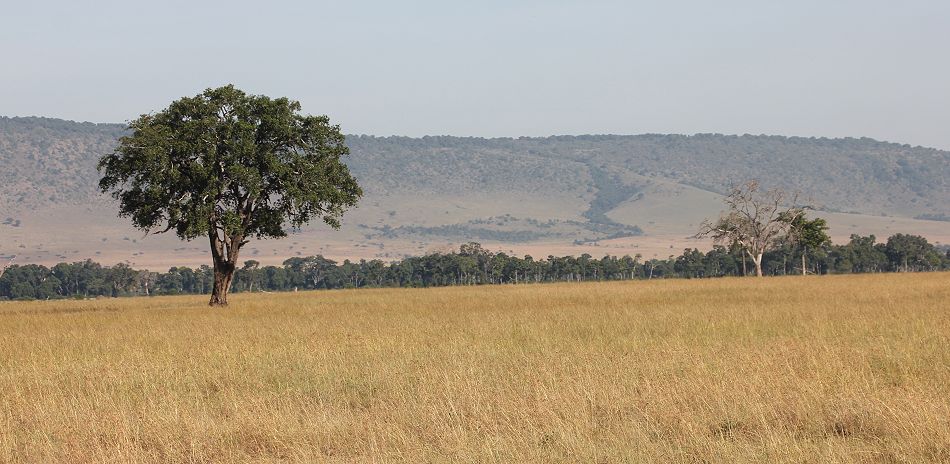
point(817, 369)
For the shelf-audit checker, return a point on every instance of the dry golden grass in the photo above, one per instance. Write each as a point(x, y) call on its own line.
point(829, 369)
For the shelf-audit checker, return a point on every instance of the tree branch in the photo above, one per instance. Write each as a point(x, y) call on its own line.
point(5, 266)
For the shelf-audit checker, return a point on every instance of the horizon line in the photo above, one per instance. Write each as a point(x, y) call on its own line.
point(575, 135)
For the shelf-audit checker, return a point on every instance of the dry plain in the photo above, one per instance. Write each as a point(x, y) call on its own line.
point(817, 369)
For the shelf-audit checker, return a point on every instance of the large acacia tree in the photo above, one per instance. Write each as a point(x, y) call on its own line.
point(229, 166)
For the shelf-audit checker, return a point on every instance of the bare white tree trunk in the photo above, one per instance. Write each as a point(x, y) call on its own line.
point(757, 260)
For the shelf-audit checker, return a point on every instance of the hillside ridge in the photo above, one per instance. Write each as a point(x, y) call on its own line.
point(559, 191)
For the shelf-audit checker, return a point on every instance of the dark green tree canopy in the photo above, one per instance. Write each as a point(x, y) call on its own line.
point(230, 164)
point(807, 233)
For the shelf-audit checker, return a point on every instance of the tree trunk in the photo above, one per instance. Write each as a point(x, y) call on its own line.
point(223, 276)
point(224, 253)
point(803, 263)
point(757, 260)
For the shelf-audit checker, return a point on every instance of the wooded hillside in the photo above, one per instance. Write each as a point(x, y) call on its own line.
point(565, 191)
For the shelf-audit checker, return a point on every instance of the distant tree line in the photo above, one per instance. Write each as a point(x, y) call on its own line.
point(472, 264)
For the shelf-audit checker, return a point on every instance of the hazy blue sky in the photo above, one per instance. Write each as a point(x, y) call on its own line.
point(494, 68)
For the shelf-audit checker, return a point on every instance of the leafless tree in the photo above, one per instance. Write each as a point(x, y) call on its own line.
point(142, 279)
point(755, 220)
point(5, 266)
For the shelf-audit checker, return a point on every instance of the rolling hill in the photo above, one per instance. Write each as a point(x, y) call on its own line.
point(553, 195)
